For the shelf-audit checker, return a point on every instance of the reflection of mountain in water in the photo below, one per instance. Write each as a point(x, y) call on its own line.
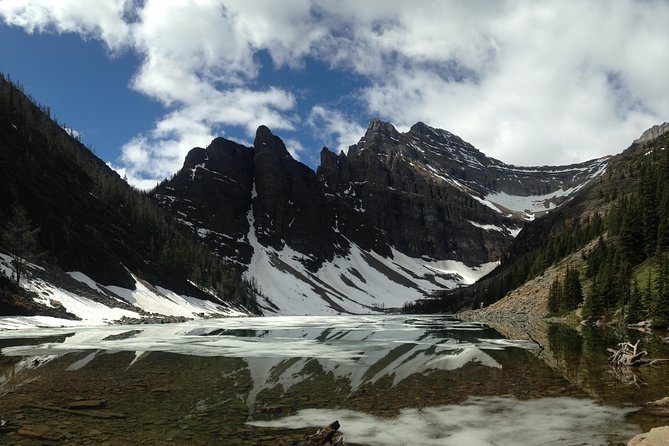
point(203, 381)
point(282, 352)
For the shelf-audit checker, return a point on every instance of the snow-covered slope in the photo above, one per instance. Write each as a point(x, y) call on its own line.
point(359, 282)
point(96, 304)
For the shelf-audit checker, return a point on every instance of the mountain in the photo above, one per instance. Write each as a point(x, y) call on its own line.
point(398, 216)
point(605, 252)
point(102, 250)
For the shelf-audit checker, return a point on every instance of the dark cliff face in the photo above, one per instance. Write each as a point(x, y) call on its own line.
point(426, 193)
point(384, 179)
point(290, 206)
point(212, 192)
point(223, 189)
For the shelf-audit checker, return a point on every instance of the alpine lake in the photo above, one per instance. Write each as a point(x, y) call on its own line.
point(388, 380)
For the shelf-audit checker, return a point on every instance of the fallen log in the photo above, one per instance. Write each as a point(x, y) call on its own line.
point(627, 355)
point(324, 437)
point(81, 413)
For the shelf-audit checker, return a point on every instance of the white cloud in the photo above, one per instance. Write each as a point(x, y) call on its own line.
point(336, 130)
point(295, 148)
point(549, 82)
point(104, 21)
point(527, 82)
point(161, 151)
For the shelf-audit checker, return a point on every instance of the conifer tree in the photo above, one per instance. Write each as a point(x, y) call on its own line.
point(554, 297)
point(635, 307)
point(573, 290)
point(20, 239)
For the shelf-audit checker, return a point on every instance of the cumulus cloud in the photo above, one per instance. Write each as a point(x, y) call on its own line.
point(104, 21)
point(533, 83)
point(526, 82)
point(335, 129)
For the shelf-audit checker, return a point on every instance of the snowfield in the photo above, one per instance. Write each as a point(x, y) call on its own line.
point(359, 283)
point(145, 298)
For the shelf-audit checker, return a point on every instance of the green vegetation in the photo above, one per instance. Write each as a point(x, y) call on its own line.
point(89, 215)
point(624, 216)
point(565, 295)
point(636, 225)
point(20, 238)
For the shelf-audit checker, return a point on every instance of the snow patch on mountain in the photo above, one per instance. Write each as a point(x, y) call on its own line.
point(163, 301)
point(145, 298)
point(359, 282)
point(537, 204)
point(87, 309)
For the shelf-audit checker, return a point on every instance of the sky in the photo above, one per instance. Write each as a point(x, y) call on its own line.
point(529, 83)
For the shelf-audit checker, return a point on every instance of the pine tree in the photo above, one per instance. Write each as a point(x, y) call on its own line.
point(20, 239)
point(594, 302)
point(573, 290)
point(555, 297)
point(635, 307)
point(631, 235)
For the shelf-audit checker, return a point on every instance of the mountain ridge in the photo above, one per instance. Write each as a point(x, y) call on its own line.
point(614, 236)
point(425, 196)
point(396, 218)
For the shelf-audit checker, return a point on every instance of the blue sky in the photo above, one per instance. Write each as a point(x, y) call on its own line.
point(85, 88)
point(529, 83)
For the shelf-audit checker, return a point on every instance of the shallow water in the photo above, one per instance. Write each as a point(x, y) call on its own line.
point(389, 380)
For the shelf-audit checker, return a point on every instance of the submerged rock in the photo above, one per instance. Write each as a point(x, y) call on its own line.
point(40, 432)
point(658, 436)
point(658, 408)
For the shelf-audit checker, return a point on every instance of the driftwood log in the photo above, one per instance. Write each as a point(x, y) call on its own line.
point(324, 437)
point(627, 354)
point(82, 413)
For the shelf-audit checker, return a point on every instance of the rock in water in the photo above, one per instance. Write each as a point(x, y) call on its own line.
point(324, 437)
point(658, 436)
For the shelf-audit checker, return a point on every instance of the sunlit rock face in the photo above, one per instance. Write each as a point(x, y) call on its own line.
point(652, 133)
point(369, 225)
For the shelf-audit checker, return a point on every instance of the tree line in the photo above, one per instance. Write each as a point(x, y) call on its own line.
point(626, 216)
point(164, 243)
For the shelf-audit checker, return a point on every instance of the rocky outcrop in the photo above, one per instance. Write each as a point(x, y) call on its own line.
point(652, 133)
point(385, 183)
point(222, 177)
point(289, 205)
point(658, 436)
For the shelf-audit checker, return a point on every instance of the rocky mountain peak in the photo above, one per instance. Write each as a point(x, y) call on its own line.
point(378, 128)
point(654, 132)
point(421, 128)
point(420, 196)
point(265, 139)
point(263, 136)
point(195, 156)
point(424, 132)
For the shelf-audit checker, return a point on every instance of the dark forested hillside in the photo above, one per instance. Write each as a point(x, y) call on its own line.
point(623, 218)
point(90, 219)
